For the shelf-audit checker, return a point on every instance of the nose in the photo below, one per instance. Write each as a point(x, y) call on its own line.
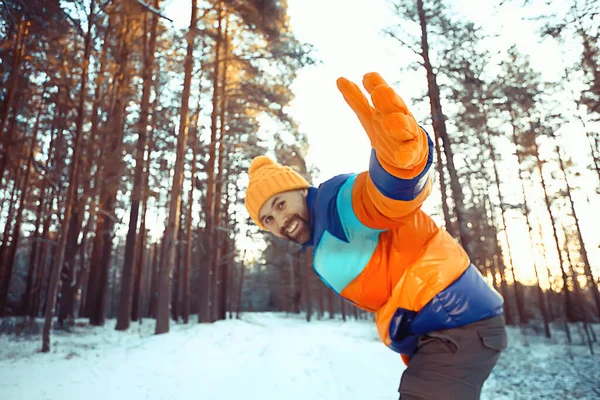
point(281, 220)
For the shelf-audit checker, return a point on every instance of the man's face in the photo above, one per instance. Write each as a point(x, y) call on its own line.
point(286, 216)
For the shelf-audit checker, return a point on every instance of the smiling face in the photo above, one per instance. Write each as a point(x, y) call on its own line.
point(286, 216)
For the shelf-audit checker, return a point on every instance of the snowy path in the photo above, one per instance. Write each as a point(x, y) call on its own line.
point(263, 357)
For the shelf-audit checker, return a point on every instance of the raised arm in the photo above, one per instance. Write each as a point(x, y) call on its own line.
point(398, 181)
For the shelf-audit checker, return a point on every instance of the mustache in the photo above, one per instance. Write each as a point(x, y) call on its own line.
point(289, 221)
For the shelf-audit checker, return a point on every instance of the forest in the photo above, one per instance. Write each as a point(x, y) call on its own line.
point(125, 143)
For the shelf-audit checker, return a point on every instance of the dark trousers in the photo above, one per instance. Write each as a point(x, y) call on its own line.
point(453, 364)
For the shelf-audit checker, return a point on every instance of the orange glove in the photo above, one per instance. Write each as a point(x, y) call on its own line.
point(399, 142)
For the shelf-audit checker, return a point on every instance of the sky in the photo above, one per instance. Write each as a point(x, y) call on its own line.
point(348, 39)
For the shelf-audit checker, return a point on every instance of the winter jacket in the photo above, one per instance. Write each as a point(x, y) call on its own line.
point(375, 247)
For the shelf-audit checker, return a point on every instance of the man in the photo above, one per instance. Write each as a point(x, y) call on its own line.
point(375, 247)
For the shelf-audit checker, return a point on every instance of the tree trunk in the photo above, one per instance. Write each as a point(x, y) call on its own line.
point(140, 270)
point(7, 265)
point(154, 281)
point(9, 262)
point(592, 285)
point(97, 281)
point(4, 267)
point(590, 65)
point(187, 263)
point(439, 126)
point(95, 286)
point(111, 173)
point(240, 286)
point(66, 222)
point(130, 261)
point(497, 264)
point(307, 292)
point(219, 267)
point(176, 281)
point(13, 82)
point(540, 293)
point(518, 293)
point(35, 250)
point(224, 265)
point(321, 299)
point(167, 254)
point(68, 269)
point(41, 261)
point(82, 277)
point(67, 293)
point(567, 293)
point(206, 308)
point(139, 288)
point(443, 190)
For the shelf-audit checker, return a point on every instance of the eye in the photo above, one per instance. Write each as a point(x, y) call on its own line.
point(268, 220)
point(281, 205)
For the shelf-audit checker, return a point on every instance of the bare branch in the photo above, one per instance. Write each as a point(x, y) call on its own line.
point(411, 47)
point(75, 25)
point(10, 15)
point(112, 217)
point(153, 10)
point(44, 175)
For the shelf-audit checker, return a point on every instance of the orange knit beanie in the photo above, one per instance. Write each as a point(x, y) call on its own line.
point(267, 178)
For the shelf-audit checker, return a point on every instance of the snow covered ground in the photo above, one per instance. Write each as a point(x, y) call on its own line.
point(264, 357)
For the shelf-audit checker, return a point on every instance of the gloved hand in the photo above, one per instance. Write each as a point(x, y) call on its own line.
point(399, 142)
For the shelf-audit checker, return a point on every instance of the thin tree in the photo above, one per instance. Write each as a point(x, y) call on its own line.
point(70, 198)
point(10, 259)
point(591, 280)
point(526, 213)
point(428, 16)
point(124, 314)
point(168, 245)
point(206, 308)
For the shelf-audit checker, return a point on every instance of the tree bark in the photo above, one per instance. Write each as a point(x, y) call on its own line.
point(9, 262)
point(224, 267)
point(540, 293)
point(154, 281)
point(592, 285)
point(187, 263)
point(13, 82)
point(567, 293)
point(443, 190)
point(439, 126)
point(111, 173)
point(205, 314)
point(220, 268)
point(177, 270)
point(518, 293)
point(307, 292)
point(71, 193)
point(130, 261)
point(167, 254)
point(35, 250)
point(4, 267)
point(139, 287)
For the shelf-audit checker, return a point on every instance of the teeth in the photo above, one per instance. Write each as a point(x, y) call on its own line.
point(292, 227)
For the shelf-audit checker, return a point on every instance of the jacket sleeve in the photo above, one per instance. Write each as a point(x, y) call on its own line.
point(385, 194)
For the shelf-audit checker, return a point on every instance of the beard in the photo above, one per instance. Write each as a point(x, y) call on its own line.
point(301, 234)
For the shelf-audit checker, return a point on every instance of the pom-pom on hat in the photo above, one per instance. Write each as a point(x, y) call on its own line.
point(267, 178)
